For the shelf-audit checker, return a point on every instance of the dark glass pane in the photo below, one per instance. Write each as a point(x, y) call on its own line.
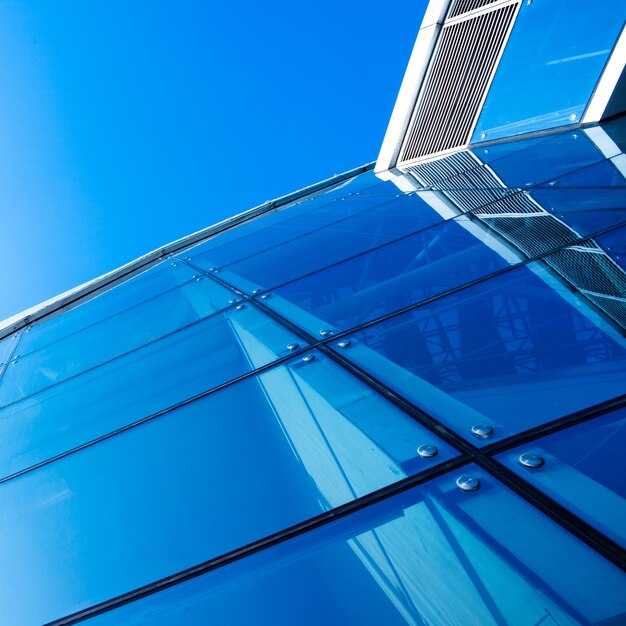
point(243, 463)
point(550, 82)
point(433, 555)
point(137, 385)
point(584, 469)
point(386, 279)
point(517, 350)
point(135, 313)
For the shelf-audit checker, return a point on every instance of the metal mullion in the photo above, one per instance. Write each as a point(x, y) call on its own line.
point(573, 524)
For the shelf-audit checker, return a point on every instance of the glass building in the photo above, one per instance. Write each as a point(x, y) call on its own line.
point(395, 397)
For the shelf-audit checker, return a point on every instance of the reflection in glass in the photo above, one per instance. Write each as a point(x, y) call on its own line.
point(334, 210)
point(243, 463)
point(550, 82)
point(584, 469)
point(433, 555)
point(517, 350)
point(384, 280)
point(136, 385)
point(155, 303)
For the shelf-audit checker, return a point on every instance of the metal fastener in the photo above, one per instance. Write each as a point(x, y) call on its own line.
point(326, 332)
point(240, 306)
point(427, 451)
point(531, 460)
point(467, 483)
point(344, 343)
point(264, 296)
point(308, 358)
point(293, 346)
point(482, 430)
point(573, 117)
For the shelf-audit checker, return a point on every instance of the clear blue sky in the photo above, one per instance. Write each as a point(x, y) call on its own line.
point(127, 124)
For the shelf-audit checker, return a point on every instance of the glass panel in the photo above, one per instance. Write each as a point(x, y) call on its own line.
point(323, 247)
point(544, 161)
point(310, 214)
point(549, 83)
point(141, 383)
point(386, 279)
point(7, 346)
point(584, 469)
point(433, 555)
point(243, 463)
point(138, 312)
point(517, 350)
point(584, 210)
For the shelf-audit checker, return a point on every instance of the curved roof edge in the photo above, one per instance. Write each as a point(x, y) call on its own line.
point(114, 277)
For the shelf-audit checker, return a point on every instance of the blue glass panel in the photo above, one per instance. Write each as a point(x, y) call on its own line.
point(586, 210)
point(323, 247)
point(544, 161)
point(141, 383)
point(243, 463)
point(433, 555)
point(150, 306)
point(309, 215)
point(549, 83)
point(386, 279)
point(584, 470)
point(7, 347)
point(598, 175)
point(517, 350)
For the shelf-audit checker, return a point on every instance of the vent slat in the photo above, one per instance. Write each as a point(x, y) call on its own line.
point(454, 89)
point(465, 6)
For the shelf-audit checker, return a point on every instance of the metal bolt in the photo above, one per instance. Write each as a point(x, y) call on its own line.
point(482, 430)
point(197, 277)
point(308, 358)
point(573, 117)
point(326, 332)
point(344, 343)
point(293, 346)
point(240, 306)
point(264, 296)
point(467, 483)
point(255, 291)
point(173, 264)
point(483, 135)
point(427, 451)
point(531, 460)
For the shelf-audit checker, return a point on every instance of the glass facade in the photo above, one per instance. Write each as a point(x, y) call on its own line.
point(392, 400)
point(254, 432)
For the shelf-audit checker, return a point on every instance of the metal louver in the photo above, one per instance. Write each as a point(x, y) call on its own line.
point(513, 215)
point(458, 78)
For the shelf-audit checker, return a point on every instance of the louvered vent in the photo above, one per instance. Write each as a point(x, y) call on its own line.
point(457, 81)
point(465, 6)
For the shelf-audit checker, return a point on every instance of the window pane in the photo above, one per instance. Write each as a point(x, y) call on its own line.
point(310, 215)
point(138, 384)
point(544, 161)
point(245, 462)
point(583, 469)
point(386, 279)
point(433, 555)
point(319, 248)
point(512, 352)
point(550, 82)
point(135, 313)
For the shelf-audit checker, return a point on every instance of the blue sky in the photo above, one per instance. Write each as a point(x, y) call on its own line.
point(127, 124)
